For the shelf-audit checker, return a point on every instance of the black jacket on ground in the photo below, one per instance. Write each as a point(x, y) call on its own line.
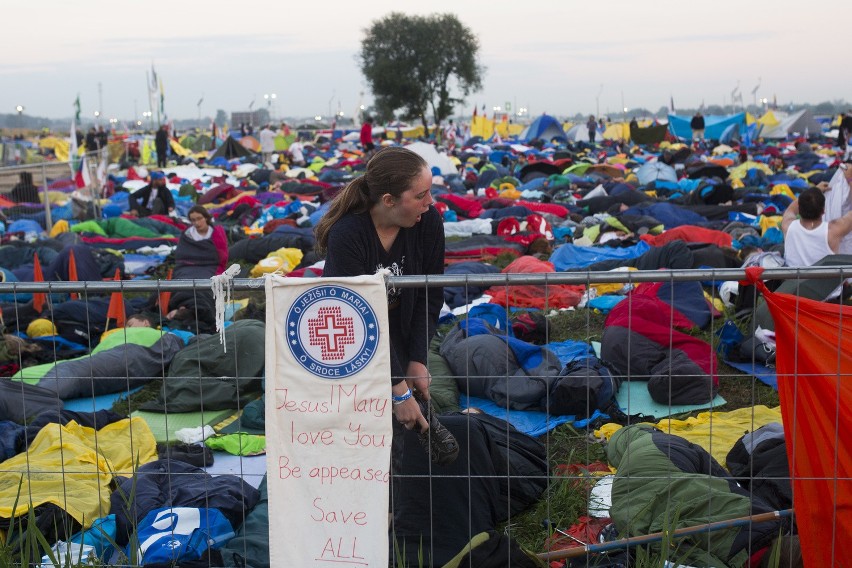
point(758, 461)
point(171, 483)
point(499, 472)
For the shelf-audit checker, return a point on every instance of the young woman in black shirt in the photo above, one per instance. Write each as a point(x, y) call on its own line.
point(385, 219)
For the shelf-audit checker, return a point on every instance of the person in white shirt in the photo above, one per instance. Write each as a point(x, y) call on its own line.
point(297, 156)
point(807, 237)
point(267, 143)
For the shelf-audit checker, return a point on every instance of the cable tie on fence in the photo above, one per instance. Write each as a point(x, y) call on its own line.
point(222, 285)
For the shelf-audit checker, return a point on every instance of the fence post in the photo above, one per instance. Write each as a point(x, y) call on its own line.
point(48, 220)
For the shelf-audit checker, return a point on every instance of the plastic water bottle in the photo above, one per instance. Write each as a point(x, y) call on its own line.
point(69, 554)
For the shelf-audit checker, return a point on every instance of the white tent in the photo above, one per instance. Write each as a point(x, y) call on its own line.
point(355, 135)
point(578, 133)
point(433, 157)
point(800, 123)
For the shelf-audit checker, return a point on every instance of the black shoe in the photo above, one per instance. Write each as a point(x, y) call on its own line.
point(619, 417)
point(193, 454)
point(438, 442)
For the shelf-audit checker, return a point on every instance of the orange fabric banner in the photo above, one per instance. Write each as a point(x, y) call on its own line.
point(39, 298)
point(814, 363)
point(116, 305)
point(165, 297)
point(72, 272)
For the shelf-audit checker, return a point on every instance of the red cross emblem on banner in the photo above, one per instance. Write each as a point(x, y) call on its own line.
point(331, 332)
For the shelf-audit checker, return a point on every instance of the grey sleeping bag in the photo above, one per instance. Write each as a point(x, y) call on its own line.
point(113, 370)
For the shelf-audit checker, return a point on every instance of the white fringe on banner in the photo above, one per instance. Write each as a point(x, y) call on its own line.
point(222, 285)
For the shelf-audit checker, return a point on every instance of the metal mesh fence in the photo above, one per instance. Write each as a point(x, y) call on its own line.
point(642, 431)
point(25, 189)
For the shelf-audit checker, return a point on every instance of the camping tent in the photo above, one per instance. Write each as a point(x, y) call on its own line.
point(651, 134)
point(616, 131)
point(714, 125)
point(231, 149)
point(801, 123)
point(432, 157)
point(544, 128)
point(577, 133)
point(768, 120)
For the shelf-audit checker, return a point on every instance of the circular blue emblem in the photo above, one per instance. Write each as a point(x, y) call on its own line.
point(332, 331)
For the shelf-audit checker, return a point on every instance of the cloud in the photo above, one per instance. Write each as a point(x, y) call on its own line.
point(618, 44)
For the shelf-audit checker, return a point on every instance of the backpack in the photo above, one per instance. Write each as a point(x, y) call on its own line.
point(584, 385)
point(761, 352)
point(180, 533)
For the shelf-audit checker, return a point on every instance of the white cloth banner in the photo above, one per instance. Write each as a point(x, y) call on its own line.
point(837, 205)
point(328, 421)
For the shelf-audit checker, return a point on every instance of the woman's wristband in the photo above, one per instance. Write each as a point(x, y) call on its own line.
point(401, 398)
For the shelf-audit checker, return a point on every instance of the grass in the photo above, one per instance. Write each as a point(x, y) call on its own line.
point(565, 500)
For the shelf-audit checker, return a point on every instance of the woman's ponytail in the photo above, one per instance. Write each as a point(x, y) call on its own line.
point(355, 197)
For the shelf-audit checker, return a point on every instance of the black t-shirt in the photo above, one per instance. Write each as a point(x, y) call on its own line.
point(354, 249)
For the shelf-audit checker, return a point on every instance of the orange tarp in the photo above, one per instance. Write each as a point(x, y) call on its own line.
point(814, 363)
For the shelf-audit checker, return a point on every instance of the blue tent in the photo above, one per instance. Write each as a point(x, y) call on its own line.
point(714, 125)
point(544, 128)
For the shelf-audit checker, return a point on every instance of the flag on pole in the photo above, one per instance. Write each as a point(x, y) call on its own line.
point(101, 172)
point(72, 149)
point(116, 305)
point(81, 177)
point(474, 111)
point(72, 273)
point(162, 100)
point(39, 298)
point(152, 85)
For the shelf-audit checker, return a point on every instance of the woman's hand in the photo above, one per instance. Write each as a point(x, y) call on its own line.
point(418, 378)
point(408, 414)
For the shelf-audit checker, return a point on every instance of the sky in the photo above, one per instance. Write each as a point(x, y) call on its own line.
point(555, 56)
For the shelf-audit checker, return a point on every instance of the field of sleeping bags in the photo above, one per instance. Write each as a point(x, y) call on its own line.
point(105, 406)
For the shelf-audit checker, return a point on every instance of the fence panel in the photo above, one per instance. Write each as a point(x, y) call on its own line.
point(26, 188)
point(599, 416)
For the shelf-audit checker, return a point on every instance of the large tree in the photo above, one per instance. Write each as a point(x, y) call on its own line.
point(413, 64)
